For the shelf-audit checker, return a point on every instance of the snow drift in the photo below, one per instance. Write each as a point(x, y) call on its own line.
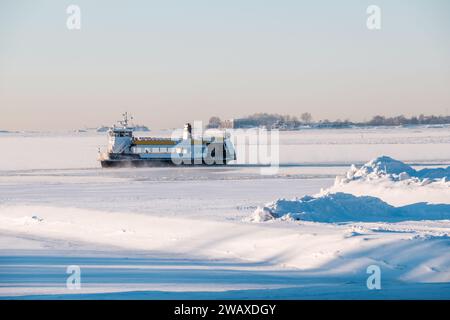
point(344, 207)
point(395, 182)
point(383, 189)
point(394, 170)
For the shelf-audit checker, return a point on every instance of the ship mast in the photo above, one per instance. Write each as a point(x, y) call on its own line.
point(124, 122)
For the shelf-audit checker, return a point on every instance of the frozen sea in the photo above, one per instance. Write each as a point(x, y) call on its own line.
point(156, 233)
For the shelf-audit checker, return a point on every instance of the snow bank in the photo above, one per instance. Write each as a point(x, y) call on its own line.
point(394, 170)
point(395, 182)
point(383, 189)
point(409, 251)
point(344, 207)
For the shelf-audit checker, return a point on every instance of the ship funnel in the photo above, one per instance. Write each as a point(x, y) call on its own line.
point(187, 132)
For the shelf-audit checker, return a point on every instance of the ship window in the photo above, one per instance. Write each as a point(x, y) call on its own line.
point(123, 134)
point(163, 150)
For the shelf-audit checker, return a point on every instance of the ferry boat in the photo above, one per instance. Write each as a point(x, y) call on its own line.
point(126, 150)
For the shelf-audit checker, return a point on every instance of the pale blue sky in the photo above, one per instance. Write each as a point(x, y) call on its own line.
point(173, 61)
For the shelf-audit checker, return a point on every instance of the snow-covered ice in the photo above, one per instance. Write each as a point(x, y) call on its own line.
point(186, 232)
point(387, 196)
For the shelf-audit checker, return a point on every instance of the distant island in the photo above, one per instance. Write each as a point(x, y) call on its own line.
point(287, 122)
point(135, 128)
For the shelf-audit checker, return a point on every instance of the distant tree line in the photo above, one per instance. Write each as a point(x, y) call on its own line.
point(262, 120)
point(402, 120)
point(287, 122)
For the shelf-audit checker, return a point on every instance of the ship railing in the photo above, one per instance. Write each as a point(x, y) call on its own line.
point(152, 139)
point(103, 156)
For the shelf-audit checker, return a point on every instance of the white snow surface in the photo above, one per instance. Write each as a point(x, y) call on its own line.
point(184, 232)
point(407, 251)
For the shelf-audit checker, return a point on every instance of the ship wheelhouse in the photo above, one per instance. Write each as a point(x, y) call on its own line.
point(120, 132)
point(120, 140)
